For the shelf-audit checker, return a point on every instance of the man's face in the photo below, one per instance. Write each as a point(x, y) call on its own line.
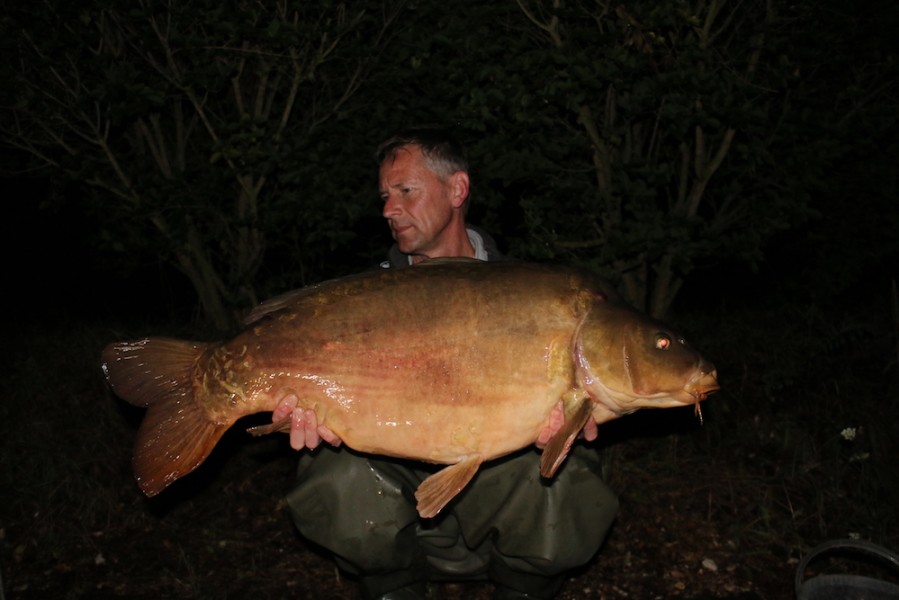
point(418, 206)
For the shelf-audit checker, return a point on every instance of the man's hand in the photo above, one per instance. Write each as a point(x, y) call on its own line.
point(590, 430)
point(557, 419)
point(305, 432)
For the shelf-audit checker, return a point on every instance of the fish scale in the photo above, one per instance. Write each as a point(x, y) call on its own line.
point(452, 361)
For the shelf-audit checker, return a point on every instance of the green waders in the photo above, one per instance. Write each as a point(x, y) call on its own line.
point(509, 525)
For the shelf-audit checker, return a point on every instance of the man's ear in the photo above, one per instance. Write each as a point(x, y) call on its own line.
point(459, 183)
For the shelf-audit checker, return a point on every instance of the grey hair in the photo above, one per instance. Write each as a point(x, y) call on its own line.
point(444, 154)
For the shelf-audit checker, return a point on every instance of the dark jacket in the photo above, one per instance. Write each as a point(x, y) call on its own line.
point(398, 260)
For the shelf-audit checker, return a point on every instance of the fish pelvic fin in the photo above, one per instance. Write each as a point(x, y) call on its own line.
point(176, 435)
point(436, 491)
point(559, 444)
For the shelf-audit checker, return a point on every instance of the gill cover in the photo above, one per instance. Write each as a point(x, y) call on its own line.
point(627, 360)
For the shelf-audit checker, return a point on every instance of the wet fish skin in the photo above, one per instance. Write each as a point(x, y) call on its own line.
point(452, 361)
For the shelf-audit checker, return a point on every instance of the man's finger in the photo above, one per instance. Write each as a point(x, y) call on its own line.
point(311, 425)
point(297, 429)
point(556, 420)
point(329, 436)
point(285, 408)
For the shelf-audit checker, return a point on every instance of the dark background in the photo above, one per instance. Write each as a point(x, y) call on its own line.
point(794, 300)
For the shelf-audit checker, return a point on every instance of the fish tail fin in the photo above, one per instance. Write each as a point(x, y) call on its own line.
point(176, 435)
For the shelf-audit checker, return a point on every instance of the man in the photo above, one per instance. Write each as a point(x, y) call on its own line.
point(508, 525)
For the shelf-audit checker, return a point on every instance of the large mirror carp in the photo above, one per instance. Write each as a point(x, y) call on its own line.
point(452, 361)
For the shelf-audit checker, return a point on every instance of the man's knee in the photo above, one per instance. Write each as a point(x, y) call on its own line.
point(541, 526)
point(332, 505)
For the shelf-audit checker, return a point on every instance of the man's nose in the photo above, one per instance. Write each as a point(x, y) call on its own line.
point(391, 207)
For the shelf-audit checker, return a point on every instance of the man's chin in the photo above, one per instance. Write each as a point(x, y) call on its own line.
point(405, 245)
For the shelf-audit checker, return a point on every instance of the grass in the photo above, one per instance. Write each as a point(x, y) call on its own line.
point(64, 439)
point(68, 502)
point(811, 396)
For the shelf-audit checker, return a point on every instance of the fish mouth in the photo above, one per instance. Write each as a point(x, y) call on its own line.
point(703, 387)
point(703, 383)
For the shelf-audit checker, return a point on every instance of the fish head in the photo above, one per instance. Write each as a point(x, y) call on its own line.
point(627, 361)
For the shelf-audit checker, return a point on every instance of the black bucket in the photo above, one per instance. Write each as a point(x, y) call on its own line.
point(846, 587)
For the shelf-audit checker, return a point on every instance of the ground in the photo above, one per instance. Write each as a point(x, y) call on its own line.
point(683, 531)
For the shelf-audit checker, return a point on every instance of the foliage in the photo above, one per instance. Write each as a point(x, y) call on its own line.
point(187, 118)
point(634, 139)
point(645, 141)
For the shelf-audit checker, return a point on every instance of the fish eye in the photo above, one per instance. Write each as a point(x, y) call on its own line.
point(663, 342)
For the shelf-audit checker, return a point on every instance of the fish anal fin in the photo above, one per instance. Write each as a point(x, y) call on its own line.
point(436, 491)
point(280, 426)
point(556, 449)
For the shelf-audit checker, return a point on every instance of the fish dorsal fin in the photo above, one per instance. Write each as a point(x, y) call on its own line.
point(277, 303)
point(557, 447)
point(437, 490)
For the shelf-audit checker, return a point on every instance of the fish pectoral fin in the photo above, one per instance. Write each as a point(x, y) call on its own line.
point(559, 444)
point(436, 491)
